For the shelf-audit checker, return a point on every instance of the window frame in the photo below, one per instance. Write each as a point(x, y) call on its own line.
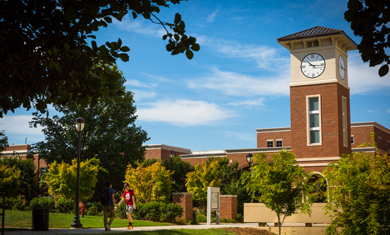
point(308, 112)
point(352, 139)
point(270, 141)
point(276, 143)
point(344, 117)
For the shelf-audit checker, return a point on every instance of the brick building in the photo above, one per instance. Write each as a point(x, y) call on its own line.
point(321, 129)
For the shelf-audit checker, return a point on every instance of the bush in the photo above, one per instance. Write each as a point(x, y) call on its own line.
point(93, 208)
point(121, 211)
point(155, 211)
point(13, 203)
point(65, 205)
point(43, 202)
point(171, 212)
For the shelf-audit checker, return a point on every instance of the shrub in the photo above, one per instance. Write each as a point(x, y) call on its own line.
point(121, 211)
point(93, 208)
point(43, 202)
point(170, 213)
point(155, 211)
point(240, 218)
point(13, 203)
point(65, 205)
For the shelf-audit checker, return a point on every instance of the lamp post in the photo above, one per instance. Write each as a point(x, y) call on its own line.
point(170, 155)
point(79, 125)
point(249, 159)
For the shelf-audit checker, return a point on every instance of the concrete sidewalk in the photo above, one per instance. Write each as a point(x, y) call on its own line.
point(121, 230)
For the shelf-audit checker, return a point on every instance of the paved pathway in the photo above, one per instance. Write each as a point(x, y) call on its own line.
point(117, 230)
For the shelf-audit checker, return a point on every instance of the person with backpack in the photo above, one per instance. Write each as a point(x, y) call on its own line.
point(128, 194)
point(107, 198)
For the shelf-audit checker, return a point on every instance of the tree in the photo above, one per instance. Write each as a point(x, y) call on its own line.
point(49, 47)
point(10, 180)
point(61, 179)
point(3, 142)
point(358, 196)
point(370, 20)
point(25, 171)
point(110, 135)
point(180, 169)
point(205, 175)
point(151, 183)
point(283, 185)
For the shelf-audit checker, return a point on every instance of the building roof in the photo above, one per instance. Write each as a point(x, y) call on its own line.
point(314, 32)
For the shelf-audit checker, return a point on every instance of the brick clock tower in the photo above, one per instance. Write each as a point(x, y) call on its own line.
point(319, 93)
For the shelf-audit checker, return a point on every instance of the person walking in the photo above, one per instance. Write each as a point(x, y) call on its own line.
point(128, 194)
point(109, 208)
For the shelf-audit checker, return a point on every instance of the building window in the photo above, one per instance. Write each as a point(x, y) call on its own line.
point(279, 143)
point(314, 120)
point(44, 171)
point(270, 143)
point(345, 130)
point(379, 141)
point(352, 139)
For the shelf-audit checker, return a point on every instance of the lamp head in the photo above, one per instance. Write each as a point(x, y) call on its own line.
point(79, 124)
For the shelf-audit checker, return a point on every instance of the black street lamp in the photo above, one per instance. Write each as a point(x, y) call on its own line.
point(79, 125)
point(170, 155)
point(249, 159)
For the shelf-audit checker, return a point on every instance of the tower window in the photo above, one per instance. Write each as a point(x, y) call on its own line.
point(314, 120)
point(379, 141)
point(352, 139)
point(345, 131)
point(270, 143)
point(279, 143)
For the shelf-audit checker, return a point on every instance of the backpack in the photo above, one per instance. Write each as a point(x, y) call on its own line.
point(104, 197)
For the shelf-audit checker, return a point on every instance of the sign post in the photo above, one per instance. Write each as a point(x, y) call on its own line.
point(212, 203)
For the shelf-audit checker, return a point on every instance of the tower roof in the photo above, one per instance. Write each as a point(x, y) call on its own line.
point(314, 32)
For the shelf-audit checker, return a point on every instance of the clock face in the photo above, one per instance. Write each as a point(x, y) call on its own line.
point(341, 67)
point(313, 65)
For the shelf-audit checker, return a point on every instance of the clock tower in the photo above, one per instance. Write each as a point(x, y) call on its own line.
point(319, 92)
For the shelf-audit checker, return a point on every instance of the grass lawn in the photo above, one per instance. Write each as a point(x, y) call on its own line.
point(212, 231)
point(23, 219)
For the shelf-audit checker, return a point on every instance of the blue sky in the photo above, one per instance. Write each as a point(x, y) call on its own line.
point(236, 83)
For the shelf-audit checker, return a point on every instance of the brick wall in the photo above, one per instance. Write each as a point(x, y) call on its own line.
point(185, 201)
point(262, 138)
point(331, 120)
point(228, 207)
point(361, 135)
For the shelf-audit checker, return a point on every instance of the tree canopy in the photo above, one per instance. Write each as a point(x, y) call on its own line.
point(109, 135)
point(61, 178)
point(370, 20)
point(283, 185)
point(48, 49)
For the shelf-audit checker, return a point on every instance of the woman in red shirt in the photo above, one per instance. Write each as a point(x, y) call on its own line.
point(128, 194)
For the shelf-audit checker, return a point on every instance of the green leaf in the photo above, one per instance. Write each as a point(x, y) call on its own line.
point(94, 45)
point(189, 54)
point(177, 38)
point(182, 25)
point(195, 47)
point(124, 57)
point(164, 37)
point(383, 70)
point(134, 14)
point(66, 46)
point(177, 18)
point(125, 49)
point(108, 19)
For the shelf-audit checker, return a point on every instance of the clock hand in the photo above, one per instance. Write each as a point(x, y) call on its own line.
point(311, 64)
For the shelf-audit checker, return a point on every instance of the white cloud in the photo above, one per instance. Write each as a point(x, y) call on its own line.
point(258, 102)
point(364, 79)
point(241, 136)
point(265, 57)
point(158, 78)
point(211, 17)
point(183, 113)
point(236, 84)
point(133, 82)
point(141, 95)
point(373, 111)
point(18, 124)
point(388, 110)
point(139, 26)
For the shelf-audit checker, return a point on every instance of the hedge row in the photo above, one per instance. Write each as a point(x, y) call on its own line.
point(62, 205)
point(154, 211)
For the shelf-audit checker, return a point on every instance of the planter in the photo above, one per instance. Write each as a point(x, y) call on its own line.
point(40, 219)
